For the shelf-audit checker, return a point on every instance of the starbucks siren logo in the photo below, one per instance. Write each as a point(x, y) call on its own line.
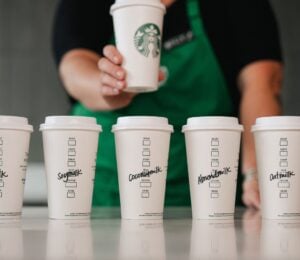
point(147, 39)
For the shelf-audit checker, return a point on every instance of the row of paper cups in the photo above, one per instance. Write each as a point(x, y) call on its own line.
point(142, 148)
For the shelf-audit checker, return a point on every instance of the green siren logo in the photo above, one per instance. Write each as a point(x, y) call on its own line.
point(147, 39)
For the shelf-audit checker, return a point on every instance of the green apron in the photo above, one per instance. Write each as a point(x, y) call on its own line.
point(195, 87)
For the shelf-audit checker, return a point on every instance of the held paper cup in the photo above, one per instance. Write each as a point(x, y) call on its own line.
point(142, 148)
point(138, 32)
point(213, 145)
point(14, 145)
point(70, 150)
point(277, 143)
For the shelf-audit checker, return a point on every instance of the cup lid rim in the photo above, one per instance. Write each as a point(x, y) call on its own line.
point(142, 122)
point(276, 123)
point(15, 123)
point(211, 123)
point(70, 122)
point(118, 5)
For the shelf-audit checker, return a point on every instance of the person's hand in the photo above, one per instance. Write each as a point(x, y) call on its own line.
point(251, 196)
point(113, 79)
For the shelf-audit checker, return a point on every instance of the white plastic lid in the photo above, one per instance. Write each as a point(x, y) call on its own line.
point(212, 123)
point(125, 3)
point(70, 123)
point(277, 123)
point(142, 123)
point(15, 123)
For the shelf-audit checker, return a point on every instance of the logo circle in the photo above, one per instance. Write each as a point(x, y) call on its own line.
point(147, 40)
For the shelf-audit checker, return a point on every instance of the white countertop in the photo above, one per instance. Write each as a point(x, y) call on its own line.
point(106, 236)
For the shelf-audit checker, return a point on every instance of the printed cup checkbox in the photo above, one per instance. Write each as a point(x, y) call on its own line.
point(146, 162)
point(145, 194)
point(71, 152)
point(215, 142)
point(283, 153)
point(214, 195)
point(71, 194)
point(283, 163)
point(214, 163)
point(71, 163)
point(146, 142)
point(215, 184)
point(71, 184)
point(283, 142)
point(215, 153)
point(284, 184)
point(146, 152)
point(72, 142)
point(283, 195)
point(145, 184)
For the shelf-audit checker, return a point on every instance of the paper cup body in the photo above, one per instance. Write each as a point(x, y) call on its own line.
point(138, 35)
point(70, 151)
point(277, 144)
point(142, 159)
point(212, 146)
point(14, 148)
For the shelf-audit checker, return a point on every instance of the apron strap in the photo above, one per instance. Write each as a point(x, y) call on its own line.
point(193, 10)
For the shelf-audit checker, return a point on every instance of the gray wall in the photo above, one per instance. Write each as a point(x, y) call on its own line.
point(288, 14)
point(29, 85)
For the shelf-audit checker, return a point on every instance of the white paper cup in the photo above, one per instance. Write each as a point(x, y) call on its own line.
point(277, 143)
point(213, 145)
point(142, 148)
point(14, 146)
point(213, 240)
point(142, 239)
point(138, 32)
point(70, 151)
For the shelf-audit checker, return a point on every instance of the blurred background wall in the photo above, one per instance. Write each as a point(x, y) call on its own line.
point(29, 84)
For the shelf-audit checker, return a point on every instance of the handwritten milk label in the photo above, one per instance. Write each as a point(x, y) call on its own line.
point(65, 176)
point(215, 174)
point(3, 174)
point(145, 174)
point(280, 175)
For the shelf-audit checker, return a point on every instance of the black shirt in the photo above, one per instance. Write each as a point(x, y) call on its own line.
point(240, 31)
